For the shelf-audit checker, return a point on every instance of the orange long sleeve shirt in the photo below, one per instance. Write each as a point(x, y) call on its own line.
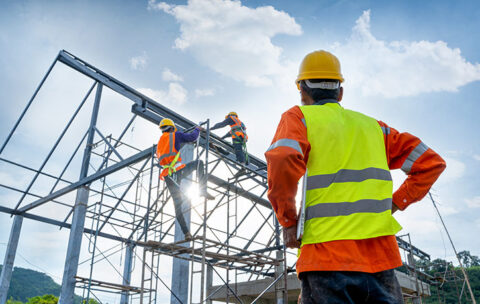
point(286, 165)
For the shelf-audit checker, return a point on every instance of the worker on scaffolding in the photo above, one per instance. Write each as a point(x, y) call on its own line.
point(173, 170)
point(348, 245)
point(238, 134)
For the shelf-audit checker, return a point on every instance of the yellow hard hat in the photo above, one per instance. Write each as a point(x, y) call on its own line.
point(319, 65)
point(231, 113)
point(166, 122)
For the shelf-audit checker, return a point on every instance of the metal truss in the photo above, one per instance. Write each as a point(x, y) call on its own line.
point(119, 200)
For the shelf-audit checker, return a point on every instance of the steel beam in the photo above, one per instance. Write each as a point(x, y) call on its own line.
point(89, 179)
point(127, 272)
point(28, 106)
point(209, 284)
point(79, 212)
point(7, 269)
point(144, 106)
point(59, 139)
point(181, 267)
point(239, 191)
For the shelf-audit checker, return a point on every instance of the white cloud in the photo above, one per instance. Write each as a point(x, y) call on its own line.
point(204, 92)
point(168, 75)
point(476, 157)
point(232, 39)
point(473, 202)
point(139, 62)
point(401, 68)
point(176, 94)
point(455, 170)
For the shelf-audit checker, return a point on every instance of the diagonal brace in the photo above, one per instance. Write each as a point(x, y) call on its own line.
point(89, 179)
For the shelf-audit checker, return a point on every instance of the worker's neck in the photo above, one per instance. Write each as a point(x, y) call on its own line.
point(325, 101)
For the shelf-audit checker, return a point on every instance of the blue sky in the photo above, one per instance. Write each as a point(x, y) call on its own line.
point(411, 64)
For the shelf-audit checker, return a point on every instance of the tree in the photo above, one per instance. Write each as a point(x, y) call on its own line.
point(468, 260)
point(46, 299)
point(12, 301)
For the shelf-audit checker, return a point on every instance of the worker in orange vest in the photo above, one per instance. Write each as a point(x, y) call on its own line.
point(173, 170)
point(238, 133)
point(346, 228)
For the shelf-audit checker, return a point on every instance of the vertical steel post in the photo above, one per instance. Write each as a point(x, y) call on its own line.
point(204, 240)
point(181, 268)
point(279, 268)
point(209, 282)
point(127, 271)
point(79, 212)
point(10, 257)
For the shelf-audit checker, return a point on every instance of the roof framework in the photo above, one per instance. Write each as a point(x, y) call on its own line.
point(120, 216)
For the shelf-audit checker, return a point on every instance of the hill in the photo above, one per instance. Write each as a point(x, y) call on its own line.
point(27, 283)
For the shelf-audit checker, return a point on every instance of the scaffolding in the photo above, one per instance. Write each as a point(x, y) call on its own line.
point(119, 198)
point(120, 214)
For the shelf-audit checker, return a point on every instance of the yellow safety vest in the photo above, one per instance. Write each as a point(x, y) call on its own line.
point(349, 186)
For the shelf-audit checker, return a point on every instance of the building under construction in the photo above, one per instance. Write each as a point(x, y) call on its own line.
point(124, 239)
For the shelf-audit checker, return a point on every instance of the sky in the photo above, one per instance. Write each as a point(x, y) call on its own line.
point(414, 65)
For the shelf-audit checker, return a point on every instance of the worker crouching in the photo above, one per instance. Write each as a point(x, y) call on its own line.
point(238, 133)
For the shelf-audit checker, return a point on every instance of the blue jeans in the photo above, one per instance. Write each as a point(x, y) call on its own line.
point(239, 153)
point(173, 185)
point(339, 287)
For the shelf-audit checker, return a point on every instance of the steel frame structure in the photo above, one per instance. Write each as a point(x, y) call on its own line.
point(144, 227)
point(235, 237)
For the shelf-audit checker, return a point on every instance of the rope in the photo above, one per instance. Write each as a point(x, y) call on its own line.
point(455, 250)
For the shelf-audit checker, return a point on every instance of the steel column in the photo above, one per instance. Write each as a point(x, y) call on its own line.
point(280, 268)
point(180, 267)
point(80, 210)
point(127, 272)
point(209, 278)
point(10, 257)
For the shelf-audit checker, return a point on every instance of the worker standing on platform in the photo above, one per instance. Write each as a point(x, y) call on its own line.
point(348, 245)
point(168, 154)
point(238, 134)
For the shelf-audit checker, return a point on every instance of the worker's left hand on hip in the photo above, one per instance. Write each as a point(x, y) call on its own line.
point(290, 237)
point(394, 208)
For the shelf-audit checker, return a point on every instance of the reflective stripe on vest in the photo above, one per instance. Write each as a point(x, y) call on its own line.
point(170, 159)
point(349, 185)
point(236, 129)
point(346, 175)
point(171, 147)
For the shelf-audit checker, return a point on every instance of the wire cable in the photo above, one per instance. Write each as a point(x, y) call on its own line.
point(455, 250)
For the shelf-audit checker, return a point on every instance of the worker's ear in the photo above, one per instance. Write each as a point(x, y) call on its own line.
point(340, 95)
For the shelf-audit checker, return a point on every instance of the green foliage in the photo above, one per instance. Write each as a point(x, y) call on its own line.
point(468, 260)
point(46, 299)
point(27, 283)
point(449, 279)
point(12, 301)
point(91, 301)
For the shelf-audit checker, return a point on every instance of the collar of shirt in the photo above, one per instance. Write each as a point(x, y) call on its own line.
point(324, 101)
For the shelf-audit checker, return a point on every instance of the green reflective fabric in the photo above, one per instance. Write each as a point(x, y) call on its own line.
point(349, 186)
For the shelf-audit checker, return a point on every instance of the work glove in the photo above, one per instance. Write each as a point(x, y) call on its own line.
point(290, 237)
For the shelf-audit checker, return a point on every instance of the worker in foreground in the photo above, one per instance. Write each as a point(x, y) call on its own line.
point(348, 246)
point(168, 154)
point(238, 133)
